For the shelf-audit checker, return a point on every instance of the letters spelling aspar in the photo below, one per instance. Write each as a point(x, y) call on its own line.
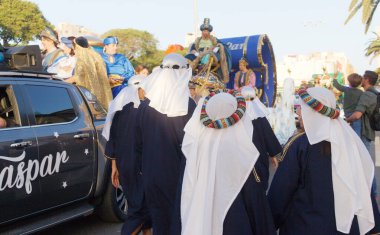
point(25, 175)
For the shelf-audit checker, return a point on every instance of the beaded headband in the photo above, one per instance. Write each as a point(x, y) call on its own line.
point(318, 106)
point(224, 122)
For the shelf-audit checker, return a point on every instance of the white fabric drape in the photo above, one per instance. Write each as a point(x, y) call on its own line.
point(168, 88)
point(255, 108)
point(352, 166)
point(126, 95)
point(218, 162)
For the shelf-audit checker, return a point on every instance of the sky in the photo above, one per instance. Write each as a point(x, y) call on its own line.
point(293, 26)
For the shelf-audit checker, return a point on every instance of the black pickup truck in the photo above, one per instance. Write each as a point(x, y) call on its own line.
point(52, 166)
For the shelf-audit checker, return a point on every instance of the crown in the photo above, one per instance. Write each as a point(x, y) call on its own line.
point(244, 61)
point(206, 25)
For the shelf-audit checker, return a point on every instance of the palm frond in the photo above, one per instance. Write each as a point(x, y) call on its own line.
point(366, 10)
point(373, 47)
point(353, 12)
point(369, 21)
point(352, 4)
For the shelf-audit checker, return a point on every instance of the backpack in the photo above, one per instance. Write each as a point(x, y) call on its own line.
point(374, 118)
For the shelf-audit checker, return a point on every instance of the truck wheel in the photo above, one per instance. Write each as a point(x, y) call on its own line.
point(114, 206)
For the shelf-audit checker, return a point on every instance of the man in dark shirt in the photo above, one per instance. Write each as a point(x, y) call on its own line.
point(365, 107)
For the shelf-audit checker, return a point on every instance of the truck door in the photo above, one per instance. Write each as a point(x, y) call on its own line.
point(19, 163)
point(65, 134)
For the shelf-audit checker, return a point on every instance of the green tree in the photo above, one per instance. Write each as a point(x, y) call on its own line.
point(139, 46)
point(368, 10)
point(20, 21)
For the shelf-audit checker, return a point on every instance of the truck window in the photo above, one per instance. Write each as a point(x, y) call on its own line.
point(51, 104)
point(9, 115)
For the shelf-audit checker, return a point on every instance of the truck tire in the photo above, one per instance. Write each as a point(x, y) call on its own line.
point(114, 205)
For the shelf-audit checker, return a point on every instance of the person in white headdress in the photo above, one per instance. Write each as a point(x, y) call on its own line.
point(119, 131)
point(323, 183)
point(263, 136)
point(221, 191)
point(161, 120)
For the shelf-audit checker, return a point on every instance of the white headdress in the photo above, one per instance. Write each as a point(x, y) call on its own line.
point(167, 87)
point(218, 162)
point(352, 166)
point(126, 95)
point(255, 108)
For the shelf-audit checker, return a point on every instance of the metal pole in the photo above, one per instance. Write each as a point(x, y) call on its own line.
point(196, 31)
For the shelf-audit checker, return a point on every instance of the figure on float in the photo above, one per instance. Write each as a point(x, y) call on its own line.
point(210, 59)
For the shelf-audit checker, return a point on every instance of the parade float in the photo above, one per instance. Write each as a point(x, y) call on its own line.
point(258, 51)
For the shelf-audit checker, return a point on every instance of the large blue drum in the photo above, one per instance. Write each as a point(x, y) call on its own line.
point(259, 53)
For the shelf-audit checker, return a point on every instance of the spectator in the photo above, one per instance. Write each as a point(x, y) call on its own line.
point(365, 107)
point(140, 69)
point(351, 98)
point(193, 94)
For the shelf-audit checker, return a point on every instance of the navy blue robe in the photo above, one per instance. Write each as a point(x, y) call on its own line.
point(159, 140)
point(268, 146)
point(250, 213)
point(120, 147)
point(301, 195)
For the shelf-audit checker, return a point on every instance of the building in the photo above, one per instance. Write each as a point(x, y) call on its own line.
point(67, 30)
point(302, 67)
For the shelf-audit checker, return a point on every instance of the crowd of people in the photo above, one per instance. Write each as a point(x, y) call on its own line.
point(193, 164)
point(74, 60)
point(204, 169)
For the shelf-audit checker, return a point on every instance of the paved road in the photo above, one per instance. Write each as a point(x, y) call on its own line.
point(94, 226)
point(84, 226)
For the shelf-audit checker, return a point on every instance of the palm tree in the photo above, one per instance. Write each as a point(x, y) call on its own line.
point(368, 9)
point(373, 48)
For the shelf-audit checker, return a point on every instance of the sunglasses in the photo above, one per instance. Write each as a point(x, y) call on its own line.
point(175, 66)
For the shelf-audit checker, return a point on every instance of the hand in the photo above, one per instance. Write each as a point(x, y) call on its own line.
point(112, 81)
point(215, 50)
point(274, 162)
point(114, 175)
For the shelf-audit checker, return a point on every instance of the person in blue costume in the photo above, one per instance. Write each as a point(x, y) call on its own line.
point(323, 182)
point(208, 47)
point(221, 191)
point(160, 123)
point(263, 136)
point(119, 130)
point(119, 68)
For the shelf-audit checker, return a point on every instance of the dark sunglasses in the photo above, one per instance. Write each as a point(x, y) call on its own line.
point(175, 66)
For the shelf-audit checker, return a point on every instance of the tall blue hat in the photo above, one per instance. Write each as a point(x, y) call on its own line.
point(206, 25)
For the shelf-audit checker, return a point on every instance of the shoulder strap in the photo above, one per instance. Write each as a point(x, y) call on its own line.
point(288, 144)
